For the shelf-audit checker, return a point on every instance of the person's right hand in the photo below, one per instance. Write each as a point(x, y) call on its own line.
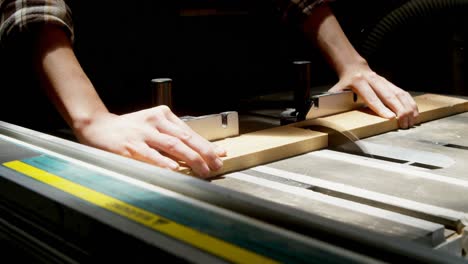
point(382, 96)
point(154, 135)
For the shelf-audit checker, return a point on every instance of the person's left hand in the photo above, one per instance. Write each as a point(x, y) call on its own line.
point(383, 97)
point(154, 135)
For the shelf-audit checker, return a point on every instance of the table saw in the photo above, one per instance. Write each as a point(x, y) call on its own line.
point(283, 196)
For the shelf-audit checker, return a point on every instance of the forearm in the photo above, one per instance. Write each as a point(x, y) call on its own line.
point(64, 80)
point(323, 29)
point(148, 135)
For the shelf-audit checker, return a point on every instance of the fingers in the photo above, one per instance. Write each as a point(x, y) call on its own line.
point(398, 100)
point(202, 143)
point(141, 151)
point(184, 132)
point(373, 100)
point(210, 152)
point(173, 136)
point(178, 149)
point(411, 107)
point(149, 136)
point(383, 97)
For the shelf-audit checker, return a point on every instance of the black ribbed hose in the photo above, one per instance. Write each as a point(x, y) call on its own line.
point(392, 31)
point(405, 15)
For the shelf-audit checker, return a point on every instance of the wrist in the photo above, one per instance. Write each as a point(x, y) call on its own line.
point(351, 64)
point(84, 120)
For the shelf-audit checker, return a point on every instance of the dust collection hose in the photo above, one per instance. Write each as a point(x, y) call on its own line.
point(404, 15)
point(452, 14)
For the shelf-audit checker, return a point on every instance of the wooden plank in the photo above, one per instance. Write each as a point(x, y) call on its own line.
point(265, 146)
point(277, 143)
point(365, 123)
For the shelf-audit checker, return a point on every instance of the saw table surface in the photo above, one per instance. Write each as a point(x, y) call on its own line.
point(414, 185)
point(282, 193)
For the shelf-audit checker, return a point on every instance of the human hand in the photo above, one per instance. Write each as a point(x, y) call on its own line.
point(154, 135)
point(382, 96)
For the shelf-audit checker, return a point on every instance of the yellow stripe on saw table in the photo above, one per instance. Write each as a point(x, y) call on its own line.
point(191, 236)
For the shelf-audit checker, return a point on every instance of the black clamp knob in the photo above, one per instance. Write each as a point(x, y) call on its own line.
point(302, 85)
point(161, 92)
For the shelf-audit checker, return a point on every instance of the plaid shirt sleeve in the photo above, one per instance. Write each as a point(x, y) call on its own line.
point(20, 15)
point(295, 11)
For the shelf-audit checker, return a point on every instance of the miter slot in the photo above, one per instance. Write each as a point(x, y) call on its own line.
point(456, 146)
point(406, 156)
point(425, 166)
point(400, 161)
point(448, 145)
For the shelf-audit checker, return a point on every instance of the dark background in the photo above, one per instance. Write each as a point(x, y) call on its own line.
point(220, 52)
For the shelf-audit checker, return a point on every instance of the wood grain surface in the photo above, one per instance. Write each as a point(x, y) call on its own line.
point(272, 144)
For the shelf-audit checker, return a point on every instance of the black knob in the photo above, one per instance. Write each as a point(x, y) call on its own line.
point(302, 86)
point(161, 92)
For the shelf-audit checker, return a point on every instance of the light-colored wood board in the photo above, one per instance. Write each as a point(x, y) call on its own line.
point(268, 145)
point(265, 146)
point(365, 123)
